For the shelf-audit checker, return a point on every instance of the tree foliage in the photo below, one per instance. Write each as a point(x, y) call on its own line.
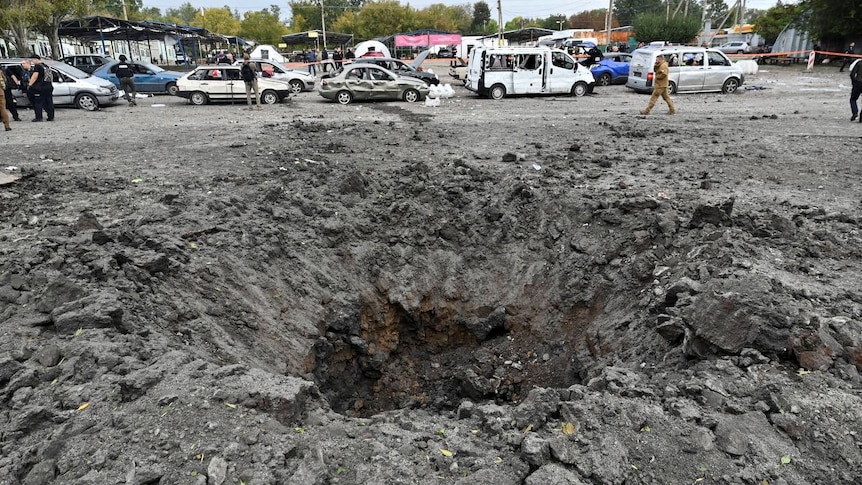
point(481, 16)
point(651, 27)
point(770, 24)
point(627, 10)
point(182, 15)
point(220, 20)
point(832, 20)
point(591, 19)
point(263, 26)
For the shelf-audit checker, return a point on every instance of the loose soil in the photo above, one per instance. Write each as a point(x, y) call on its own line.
point(546, 290)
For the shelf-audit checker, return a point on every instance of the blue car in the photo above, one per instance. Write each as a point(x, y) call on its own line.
point(612, 69)
point(149, 78)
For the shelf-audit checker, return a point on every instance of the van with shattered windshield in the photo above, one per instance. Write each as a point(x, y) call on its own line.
point(497, 72)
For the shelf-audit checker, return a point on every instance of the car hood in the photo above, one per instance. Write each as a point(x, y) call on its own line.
point(420, 58)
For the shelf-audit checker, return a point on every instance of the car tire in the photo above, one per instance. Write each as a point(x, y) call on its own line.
point(172, 89)
point(580, 89)
point(497, 91)
point(87, 102)
point(740, 52)
point(730, 86)
point(269, 97)
point(198, 98)
point(412, 95)
point(296, 86)
point(344, 97)
point(604, 79)
point(671, 87)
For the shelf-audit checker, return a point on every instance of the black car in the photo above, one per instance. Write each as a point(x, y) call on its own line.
point(86, 62)
point(402, 68)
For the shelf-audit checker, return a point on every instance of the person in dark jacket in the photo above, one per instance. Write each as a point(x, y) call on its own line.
point(856, 88)
point(249, 77)
point(7, 93)
point(126, 75)
point(847, 59)
point(42, 87)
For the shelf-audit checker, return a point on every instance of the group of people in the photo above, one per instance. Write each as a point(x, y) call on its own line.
point(327, 63)
point(36, 81)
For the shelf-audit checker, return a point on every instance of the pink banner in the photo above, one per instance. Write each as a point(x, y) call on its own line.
point(426, 40)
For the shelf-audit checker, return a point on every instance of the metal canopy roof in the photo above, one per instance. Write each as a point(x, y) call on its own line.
point(312, 36)
point(521, 36)
point(108, 28)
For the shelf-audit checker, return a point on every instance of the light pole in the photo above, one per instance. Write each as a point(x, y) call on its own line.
point(560, 23)
point(323, 24)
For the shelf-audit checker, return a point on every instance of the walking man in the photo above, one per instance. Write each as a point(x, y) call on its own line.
point(42, 87)
point(660, 82)
point(848, 60)
point(126, 75)
point(856, 89)
point(249, 77)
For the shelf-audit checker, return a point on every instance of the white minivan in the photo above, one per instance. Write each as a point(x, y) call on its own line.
point(691, 69)
point(500, 71)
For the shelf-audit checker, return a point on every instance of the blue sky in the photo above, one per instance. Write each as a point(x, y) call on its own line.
point(511, 8)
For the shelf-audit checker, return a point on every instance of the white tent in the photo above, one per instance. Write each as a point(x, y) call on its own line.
point(363, 47)
point(265, 51)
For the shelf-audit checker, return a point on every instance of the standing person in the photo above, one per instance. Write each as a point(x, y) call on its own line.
point(338, 57)
point(660, 87)
point(324, 60)
point(10, 81)
point(856, 89)
point(24, 82)
point(311, 58)
point(126, 75)
point(350, 55)
point(4, 115)
point(848, 60)
point(249, 77)
point(42, 89)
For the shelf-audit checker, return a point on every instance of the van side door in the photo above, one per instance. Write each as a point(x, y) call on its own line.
point(561, 72)
point(718, 66)
point(527, 74)
point(689, 71)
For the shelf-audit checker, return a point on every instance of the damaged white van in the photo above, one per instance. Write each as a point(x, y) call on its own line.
point(497, 72)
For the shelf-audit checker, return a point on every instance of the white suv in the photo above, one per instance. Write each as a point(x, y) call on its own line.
point(735, 48)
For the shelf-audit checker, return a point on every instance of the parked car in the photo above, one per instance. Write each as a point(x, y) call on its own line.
point(445, 53)
point(735, 48)
point(72, 86)
point(691, 69)
point(612, 69)
point(149, 78)
point(224, 83)
point(402, 68)
point(299, 80)
point(87, 62)
point(368, 82)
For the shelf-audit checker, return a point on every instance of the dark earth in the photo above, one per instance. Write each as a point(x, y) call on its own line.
point(534, 291)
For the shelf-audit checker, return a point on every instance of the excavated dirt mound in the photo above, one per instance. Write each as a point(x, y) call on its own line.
point(530, 291)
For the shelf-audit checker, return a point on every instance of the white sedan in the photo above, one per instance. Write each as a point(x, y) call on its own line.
point(224, 83)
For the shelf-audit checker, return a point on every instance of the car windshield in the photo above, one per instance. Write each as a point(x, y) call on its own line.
point(152, 67)
point(72, 71)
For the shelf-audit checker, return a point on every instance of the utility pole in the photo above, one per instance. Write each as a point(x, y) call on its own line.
point(608, 21)
point(125, 12)
point(323, 24)
point(499, 22)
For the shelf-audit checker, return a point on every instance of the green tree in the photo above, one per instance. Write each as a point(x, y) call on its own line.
point(770, 24)
point(183, 15)
point(263, 26)
point(626, 10)
point(442, 17)
point(590, 19)
point(651, 27)
point(715, 10)
point(51, 13)
point(17, 17)
point(555, 22)
point(309, 11)
point(218, 20)
point(383, 17)
point(521, 23)
point(481, 16)
point(832, 20)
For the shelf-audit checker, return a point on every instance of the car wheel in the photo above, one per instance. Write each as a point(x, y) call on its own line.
point(87, 102)
point(497, 91)
point(296, 86)
point(671, 88)
point(604, 79)
point(730, 86)
point(172, 89)
point(269, 97)
point(411, 95)
point(343, 97)
point(198, 98)
point(579, 89)
point(740, 52)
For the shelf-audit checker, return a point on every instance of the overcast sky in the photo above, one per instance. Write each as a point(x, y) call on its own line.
point(511, 8)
